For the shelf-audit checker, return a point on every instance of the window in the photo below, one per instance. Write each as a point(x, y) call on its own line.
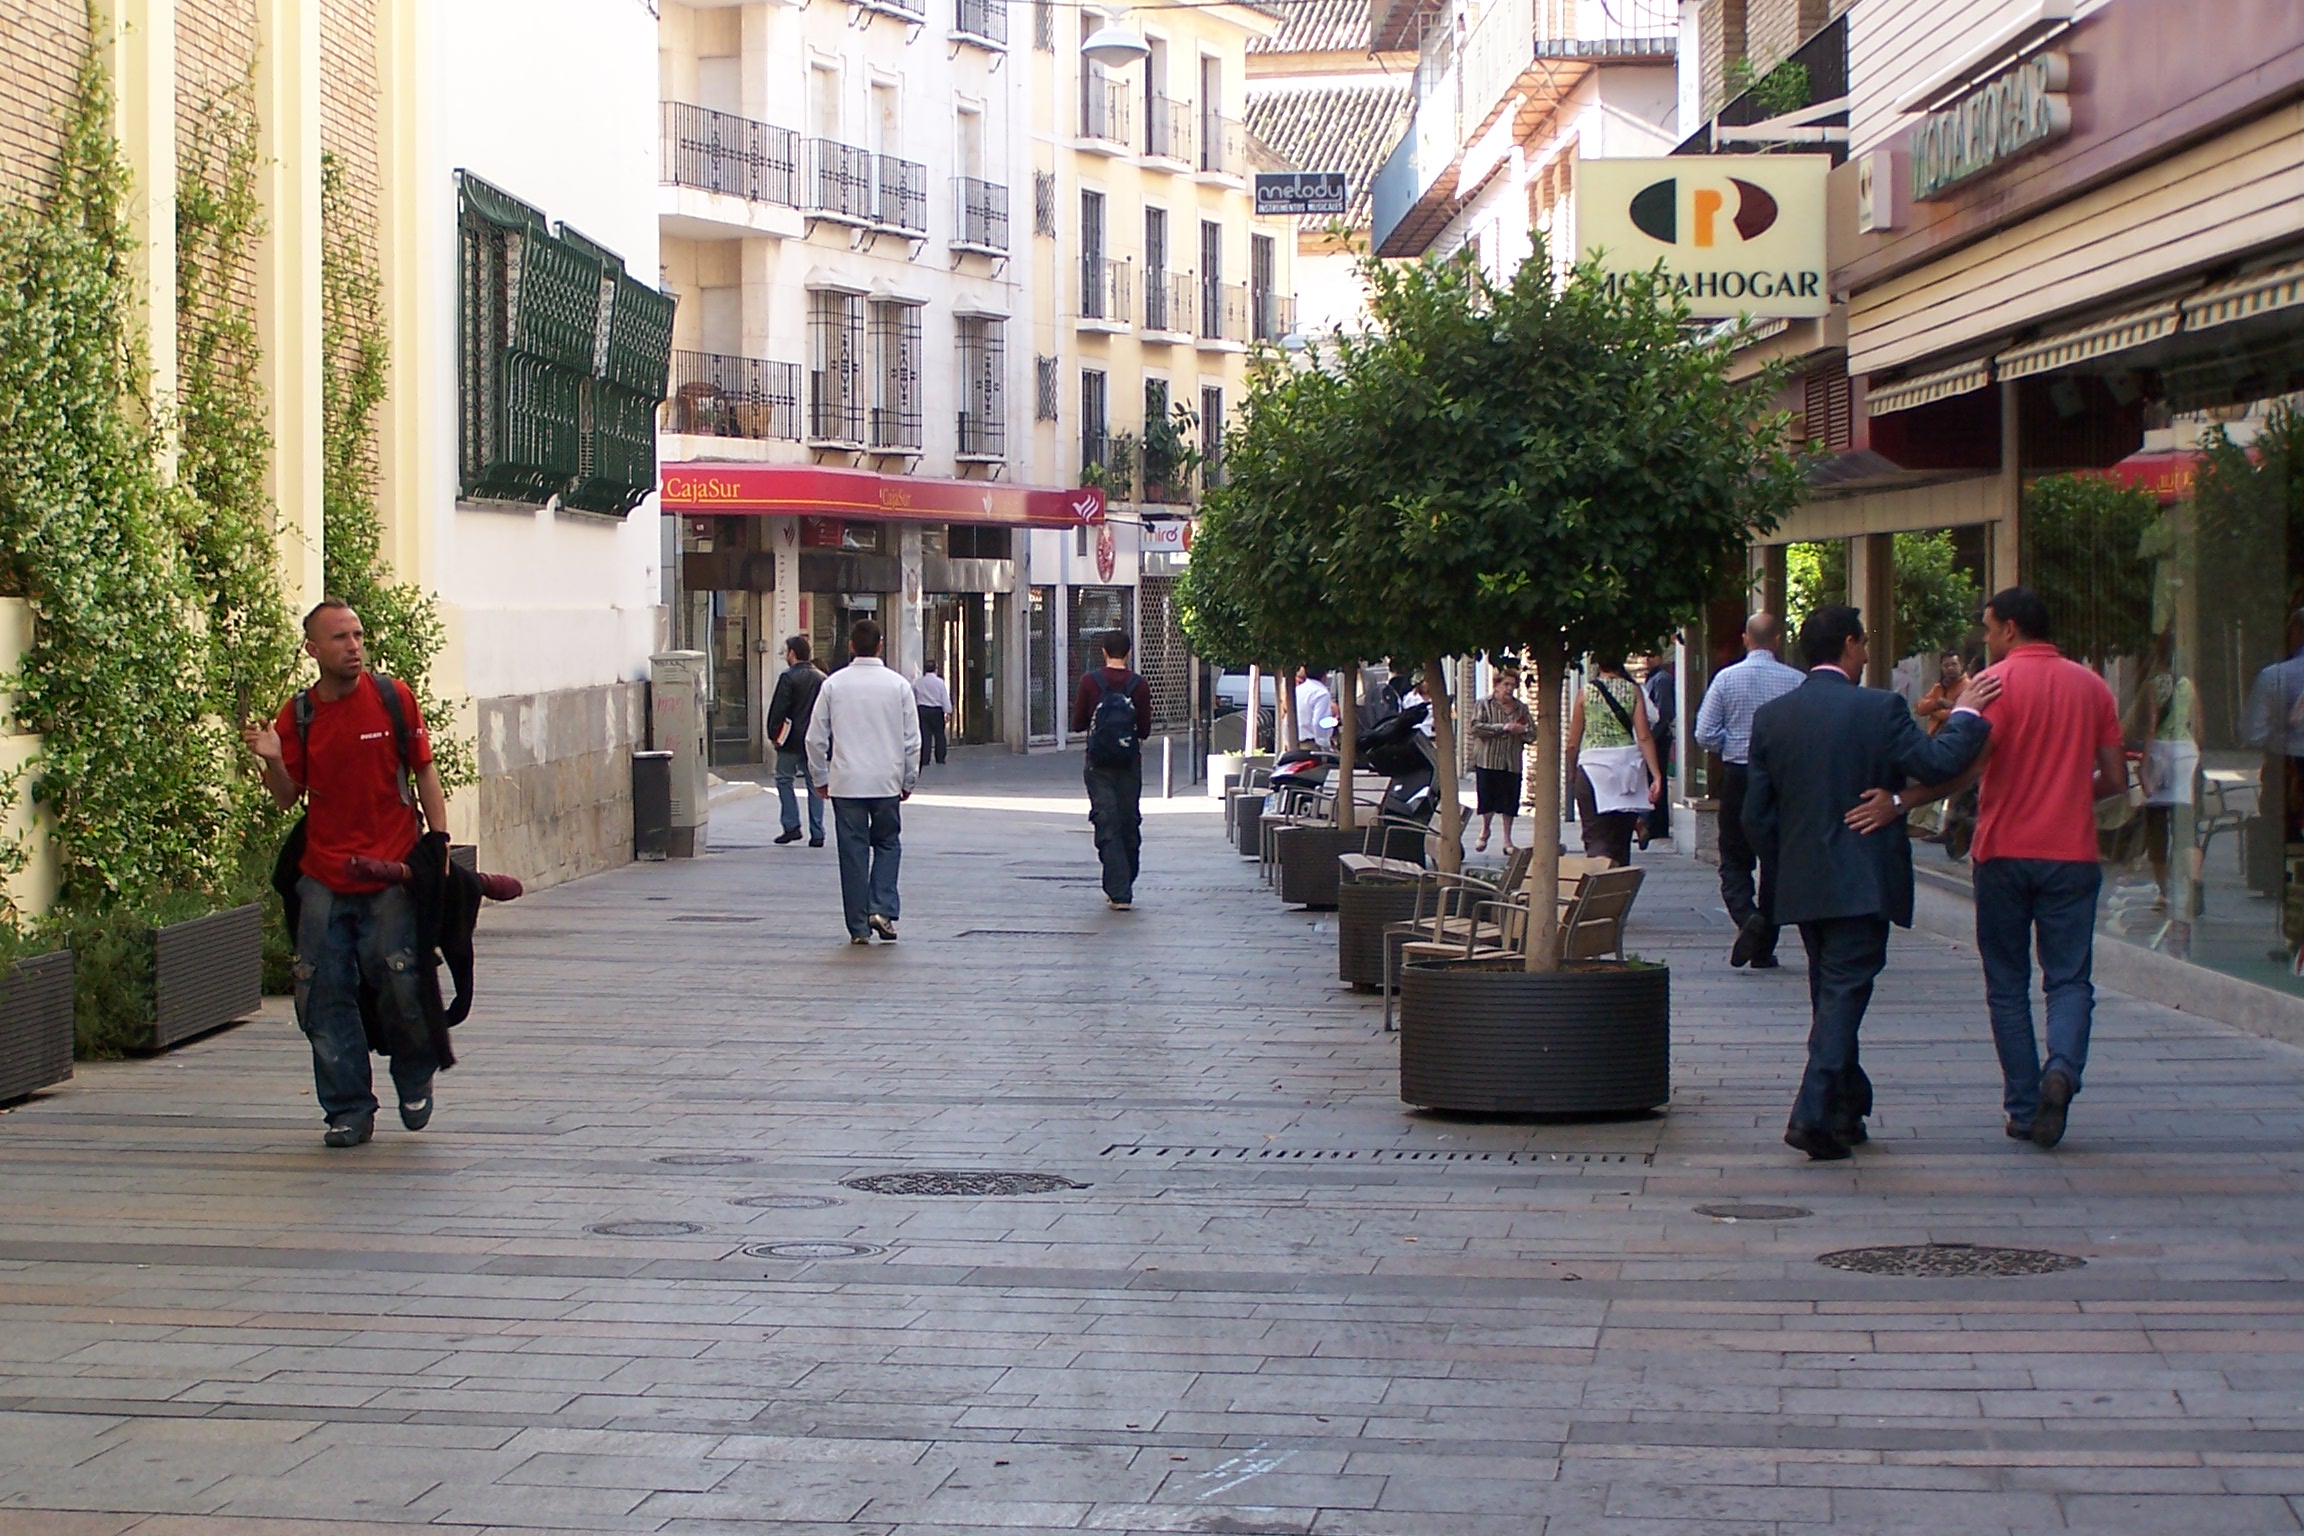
point(1095, 289)
point(1264, 307)
point(983, 407)
point(835, 367)
point(1044, 203)
point(896, 377)
point(824, 100)
point(1095, 443)
point(1044, 389)
point(1211, 278)
point(972, 541)
point(1211, 435)
point(1044, 25)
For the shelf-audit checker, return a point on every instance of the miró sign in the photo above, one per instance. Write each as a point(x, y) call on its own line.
point(2008, 115)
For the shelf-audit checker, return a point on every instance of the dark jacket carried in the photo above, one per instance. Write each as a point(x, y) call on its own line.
point(1815, 751)
point(794, 700)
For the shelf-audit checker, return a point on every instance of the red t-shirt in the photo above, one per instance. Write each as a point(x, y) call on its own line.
point(2038, 797)
point(352, 789)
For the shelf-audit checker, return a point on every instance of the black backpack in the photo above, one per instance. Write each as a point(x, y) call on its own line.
point(388, 693)
point(1112, 729)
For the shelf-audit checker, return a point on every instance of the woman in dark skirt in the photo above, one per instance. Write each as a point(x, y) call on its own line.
point(1501, 729)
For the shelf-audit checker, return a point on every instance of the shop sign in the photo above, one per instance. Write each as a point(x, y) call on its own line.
point(860, 495)
point(2009, 115)
point(1300, 192)
point(1735, 234)
point(1169, 536)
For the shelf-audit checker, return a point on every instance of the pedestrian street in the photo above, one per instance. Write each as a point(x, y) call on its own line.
point(628, 1280)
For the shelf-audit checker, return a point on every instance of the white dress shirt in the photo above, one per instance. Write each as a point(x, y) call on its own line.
point(864, 738)
point(929, 692)
point(1313, 704)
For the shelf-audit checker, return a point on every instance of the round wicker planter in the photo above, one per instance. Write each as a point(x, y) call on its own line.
point(1363, 907)
point(1593, 1040)
point(1308, 871)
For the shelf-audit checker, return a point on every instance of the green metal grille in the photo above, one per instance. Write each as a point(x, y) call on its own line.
point(618, 454)
point(639, 339)
point(558, 303)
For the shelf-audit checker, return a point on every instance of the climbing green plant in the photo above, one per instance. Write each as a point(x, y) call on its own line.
point(403, 621)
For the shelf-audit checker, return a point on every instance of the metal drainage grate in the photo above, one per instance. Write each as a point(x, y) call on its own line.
point(644, 1228)
point(1731, 1210)
point(702, 1159)
point(1949, 1260)
point(786, 1202)
point(813, 1250)
point(974, 1182)
point(710, 917)
point(1367, 1155)
point(1023, 933)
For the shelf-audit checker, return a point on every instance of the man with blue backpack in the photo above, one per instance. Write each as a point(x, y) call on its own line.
point(1113, 707)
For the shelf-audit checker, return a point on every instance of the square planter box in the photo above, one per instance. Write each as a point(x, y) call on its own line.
point(36, 1024)
point(206, 973)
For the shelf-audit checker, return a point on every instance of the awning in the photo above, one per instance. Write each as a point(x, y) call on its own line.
point(2168, 473)
point(797, 490)
point(2259, 293)
point(2097, 338)
point(1926, 388)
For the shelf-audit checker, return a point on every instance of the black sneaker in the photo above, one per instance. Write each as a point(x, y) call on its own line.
point(1820, 1145)
point(2056, 1090)
point(416, 1113)
point(792, 836)
point(1765, 963)
point(2015, 1132)
point(350, 1130)
point(815, 842)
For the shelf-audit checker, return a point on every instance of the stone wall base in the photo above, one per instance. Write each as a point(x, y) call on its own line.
point(556, 781)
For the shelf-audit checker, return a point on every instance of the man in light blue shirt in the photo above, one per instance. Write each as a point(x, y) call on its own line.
point(1724, 725)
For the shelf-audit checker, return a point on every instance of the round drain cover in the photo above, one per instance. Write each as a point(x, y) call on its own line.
point(644, 1228)
point(1733, 1210)
point(1950, 1260)
point(703, 1159)
point(976, 1182)
point(812, 1250)
point(786, 1202)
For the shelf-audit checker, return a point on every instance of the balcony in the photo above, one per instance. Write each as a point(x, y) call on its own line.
point(1106, 294)
point(911, 12)
point(715, 395)
point(734, 156)
point(1271, 315)
point(1103, 113)
point(900, 195)
point(1109, 461)
point(839, 182)
point(980, 211)
point(982, 22)
point(1168, 301)
point(1168, 131)
point(1223, 315)
point(983, 437)
point(1223, 147)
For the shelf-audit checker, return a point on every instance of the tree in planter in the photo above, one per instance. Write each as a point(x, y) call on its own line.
point(1550, 471)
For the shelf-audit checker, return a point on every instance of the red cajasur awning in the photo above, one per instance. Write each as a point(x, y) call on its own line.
point(808, 490)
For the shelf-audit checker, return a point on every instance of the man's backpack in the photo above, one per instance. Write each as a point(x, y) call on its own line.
point(388, 693)
point(1112, 729)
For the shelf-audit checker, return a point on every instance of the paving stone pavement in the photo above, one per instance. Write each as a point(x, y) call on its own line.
point(1274, 1300)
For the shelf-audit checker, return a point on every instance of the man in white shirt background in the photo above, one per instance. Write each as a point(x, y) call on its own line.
point(1314, 703)
point(864, 753)
point(935, 702)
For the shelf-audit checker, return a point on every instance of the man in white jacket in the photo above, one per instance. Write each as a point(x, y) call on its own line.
point(864, 753)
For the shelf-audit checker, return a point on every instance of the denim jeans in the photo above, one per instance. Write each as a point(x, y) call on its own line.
point(1115, 809)
point(342, 944)
point(1845, 956)
point(791, 768)
point(870, 834)
point(2055, 899)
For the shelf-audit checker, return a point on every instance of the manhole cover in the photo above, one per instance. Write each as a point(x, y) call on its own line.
point(959, 1181)
point(702, 1159)
point(1949, 1260)
point(644, 1228)
point(820, 1250)
point(1731, 1210)
point(786, 1202)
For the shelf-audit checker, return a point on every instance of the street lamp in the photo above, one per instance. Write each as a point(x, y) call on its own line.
point(1114, 46)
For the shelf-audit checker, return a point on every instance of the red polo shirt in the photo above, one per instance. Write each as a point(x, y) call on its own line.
point(352, 783)
point(2038, 797)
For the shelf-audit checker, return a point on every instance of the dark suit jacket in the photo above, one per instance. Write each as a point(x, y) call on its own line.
point(1815, 751)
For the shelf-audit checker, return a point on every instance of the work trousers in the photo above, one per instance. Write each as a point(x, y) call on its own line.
point(1115, 809)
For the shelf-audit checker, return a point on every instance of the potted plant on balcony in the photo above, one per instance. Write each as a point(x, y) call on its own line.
point(1549, 472)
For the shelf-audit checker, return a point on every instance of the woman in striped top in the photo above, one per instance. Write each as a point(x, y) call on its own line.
point(1612, 763)
point(1501, 730)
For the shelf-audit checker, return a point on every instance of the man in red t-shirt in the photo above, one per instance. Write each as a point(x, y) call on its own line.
point(361, 802)
point(2055, 751)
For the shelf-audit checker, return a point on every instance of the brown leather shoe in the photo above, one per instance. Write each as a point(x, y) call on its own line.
point(1820, 1145)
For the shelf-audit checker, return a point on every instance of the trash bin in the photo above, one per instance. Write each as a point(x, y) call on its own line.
point(651, 805)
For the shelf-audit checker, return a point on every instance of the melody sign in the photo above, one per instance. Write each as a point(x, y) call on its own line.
point(2008, 115)
point(1736, 234)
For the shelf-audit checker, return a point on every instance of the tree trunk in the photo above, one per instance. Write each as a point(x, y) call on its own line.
point(1347, 746)
point(1284, 732)
point(1255, 709)
point(1550, 660)
point(1451, 778)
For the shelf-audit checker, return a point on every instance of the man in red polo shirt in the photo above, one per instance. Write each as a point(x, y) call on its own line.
point(2055, 751)
point(362, 798)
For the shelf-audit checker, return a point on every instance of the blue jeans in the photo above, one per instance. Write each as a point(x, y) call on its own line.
point(870, 834)
point(792, 767)
point(2055, 899)
point(343, 942)
point(1845, 955)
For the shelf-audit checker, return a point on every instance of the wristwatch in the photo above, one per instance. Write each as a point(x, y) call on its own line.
point(1896, 801)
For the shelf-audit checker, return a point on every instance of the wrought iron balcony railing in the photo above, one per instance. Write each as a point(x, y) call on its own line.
point(1168, 130)
point(839, 181)
point(1168, 299)
point(1103, 108)
point(715, 395)
point(980, 214)
point(983, 21)
point(1223, 312)
point(1223, 146)
point(719, 152)
point(1105, 290)
point(1271, 314)
point(900, 200)
point(982, 435)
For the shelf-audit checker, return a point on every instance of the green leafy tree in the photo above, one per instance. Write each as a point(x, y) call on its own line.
point(1937, 599)
point(2082, 552)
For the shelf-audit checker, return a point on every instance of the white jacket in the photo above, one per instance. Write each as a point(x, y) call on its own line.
point(864, 738)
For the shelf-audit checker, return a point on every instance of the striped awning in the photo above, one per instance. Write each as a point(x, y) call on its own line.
point(1923, 389)
point(2097, 338)
point(2259, 293)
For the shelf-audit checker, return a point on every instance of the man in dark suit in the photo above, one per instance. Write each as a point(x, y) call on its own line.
point(1815, 753)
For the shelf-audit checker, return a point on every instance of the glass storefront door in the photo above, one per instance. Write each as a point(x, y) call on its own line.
point(960, 636)
point(1040, 640)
